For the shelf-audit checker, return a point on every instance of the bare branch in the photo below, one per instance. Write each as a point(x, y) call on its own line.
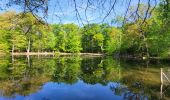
point(77, 12)
point(112, 8)
point(147, 11)
point(124, 19)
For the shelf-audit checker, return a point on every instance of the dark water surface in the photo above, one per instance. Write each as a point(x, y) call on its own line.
point(81, 78)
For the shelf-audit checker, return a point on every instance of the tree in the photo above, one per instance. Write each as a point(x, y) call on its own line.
point(99, 38)
point(158, 32)
point(73, 42)
point(18, 41)
point(92, 38)
point(4, 41)
point(44, 40)
point(67, 38)
point(135, 31)
point(113, 42)
point(6, 23)
point(60, 35)
point(31, 27)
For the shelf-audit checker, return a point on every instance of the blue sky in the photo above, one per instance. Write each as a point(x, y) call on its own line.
point(64, 11)
point(94, 14)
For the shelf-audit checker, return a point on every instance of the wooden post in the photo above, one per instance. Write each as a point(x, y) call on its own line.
point(161, 90)
point(161, 83)
point(161, 76)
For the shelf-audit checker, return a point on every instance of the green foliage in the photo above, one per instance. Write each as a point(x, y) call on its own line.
point(4, 41)
point(60, 35)
point(34, 30)
point(46, 42)
point(113, 42)
point(68, 38)
point(92, 38)
point(72, 38)
point(4, 63)
point(23, 32)
point(131, 38)
point(101, 38)
point(18, 41)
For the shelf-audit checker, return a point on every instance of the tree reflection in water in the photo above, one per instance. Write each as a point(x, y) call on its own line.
point(132, 81)
point(127, 94)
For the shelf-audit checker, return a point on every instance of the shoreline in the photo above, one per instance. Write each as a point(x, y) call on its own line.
point(81, 54)
point(55, 54)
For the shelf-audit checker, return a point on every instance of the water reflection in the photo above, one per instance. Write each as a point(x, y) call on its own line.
point(47, 78)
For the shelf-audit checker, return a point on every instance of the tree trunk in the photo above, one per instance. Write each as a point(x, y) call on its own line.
point(29, 43)
point(101, 47)
point(146, 46)
point(13, 48)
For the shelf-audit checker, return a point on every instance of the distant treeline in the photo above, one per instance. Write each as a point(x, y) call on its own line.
point(142, 35)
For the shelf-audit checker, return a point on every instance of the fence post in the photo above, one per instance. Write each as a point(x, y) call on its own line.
point(161, 76)
point(161, 84)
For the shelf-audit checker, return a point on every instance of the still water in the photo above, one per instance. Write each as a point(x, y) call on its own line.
point(81, 78)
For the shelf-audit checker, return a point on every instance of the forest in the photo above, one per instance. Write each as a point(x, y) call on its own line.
point(145, 37)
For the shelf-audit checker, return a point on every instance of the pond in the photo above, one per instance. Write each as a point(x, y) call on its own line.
point(81, 78)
